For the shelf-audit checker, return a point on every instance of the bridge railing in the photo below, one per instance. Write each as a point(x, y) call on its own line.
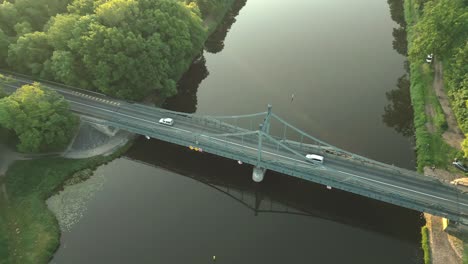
point(28, 79)
point(327, 148)
point(366, 188)
point(292, 167)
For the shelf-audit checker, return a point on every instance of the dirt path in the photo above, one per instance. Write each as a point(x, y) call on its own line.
point(453, 136)
point(441, 248)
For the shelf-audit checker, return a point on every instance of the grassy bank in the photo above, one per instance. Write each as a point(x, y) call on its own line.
point(29, 231)
point(430, 145)
point(425, 245)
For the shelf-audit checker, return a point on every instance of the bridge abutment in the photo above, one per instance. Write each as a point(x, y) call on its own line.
point(258, 174)
point(459, 230)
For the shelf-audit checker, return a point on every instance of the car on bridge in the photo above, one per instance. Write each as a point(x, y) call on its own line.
point(314, 157)
point(166, 121)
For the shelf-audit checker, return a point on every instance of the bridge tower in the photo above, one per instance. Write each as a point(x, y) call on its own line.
point(264, 128)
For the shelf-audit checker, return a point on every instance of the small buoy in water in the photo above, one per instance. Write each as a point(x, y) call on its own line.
point(329, 187)
point(240, 162)
point(214, 258)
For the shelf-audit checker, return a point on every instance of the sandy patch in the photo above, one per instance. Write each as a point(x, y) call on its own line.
point(441, 248)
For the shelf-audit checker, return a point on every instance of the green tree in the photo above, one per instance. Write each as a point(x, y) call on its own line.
point(443, 26)
point(29, 53)
point(8, 18)
point(84, 7)
point(40, 118)
point(126, 48)
point(38, 12)
point(22, 28)
point(4, 42)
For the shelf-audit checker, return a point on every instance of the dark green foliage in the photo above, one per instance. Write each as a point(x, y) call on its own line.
point(457, 83)
point(123, 48)
point(29, 53)
point(40, 118)
point(399, 113)
point(400, 44)
point(397, 12)
point(210, 7)
point(4, 42)
point(442, 28)
point(8, 18)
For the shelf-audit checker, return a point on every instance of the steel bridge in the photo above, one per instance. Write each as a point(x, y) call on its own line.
point(268, 142)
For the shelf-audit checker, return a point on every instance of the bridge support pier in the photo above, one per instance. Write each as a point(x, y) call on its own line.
point(459, 230)
point(258, 174)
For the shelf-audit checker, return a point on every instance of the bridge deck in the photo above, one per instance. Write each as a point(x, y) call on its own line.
point(341, 169)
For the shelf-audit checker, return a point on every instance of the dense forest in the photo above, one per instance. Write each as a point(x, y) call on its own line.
point(442, 30)
point(123, 48)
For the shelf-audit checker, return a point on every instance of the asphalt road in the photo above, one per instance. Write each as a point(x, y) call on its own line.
point(374, 180)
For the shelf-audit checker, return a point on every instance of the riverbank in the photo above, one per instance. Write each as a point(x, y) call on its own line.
point(29, 231)
point(438, 140)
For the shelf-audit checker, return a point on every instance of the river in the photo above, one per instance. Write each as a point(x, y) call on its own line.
point(326, 66)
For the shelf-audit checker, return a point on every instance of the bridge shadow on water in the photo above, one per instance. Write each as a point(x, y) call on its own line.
point(280, 193)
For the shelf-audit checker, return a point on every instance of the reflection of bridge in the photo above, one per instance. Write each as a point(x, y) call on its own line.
point(278, 195)
point(274, 145)
point(253, 200)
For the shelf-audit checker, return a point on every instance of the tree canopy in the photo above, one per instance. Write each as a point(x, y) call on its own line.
point(40, 118)
point(442, 27)
point(123, 48)
point(443, 30)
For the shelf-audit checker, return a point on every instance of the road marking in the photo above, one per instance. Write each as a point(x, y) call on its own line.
point(368, 179)
point(398, 187)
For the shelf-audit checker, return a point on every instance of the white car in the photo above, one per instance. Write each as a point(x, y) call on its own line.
point(429, 58)
point(166, 121)
point(314, 157)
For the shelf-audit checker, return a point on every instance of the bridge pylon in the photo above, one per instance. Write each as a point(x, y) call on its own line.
point(264, 128)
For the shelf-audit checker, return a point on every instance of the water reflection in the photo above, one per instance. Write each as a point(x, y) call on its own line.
point(399, 113)
point(215, 42)
point(186, 98)
point(277, 193)
point(397, 11)
point(400, 43)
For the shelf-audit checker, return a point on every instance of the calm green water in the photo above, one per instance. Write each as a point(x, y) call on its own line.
point(166, 204)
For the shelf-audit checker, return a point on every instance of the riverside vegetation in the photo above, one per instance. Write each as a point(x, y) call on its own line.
point(124, 48)
point(438, 27)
